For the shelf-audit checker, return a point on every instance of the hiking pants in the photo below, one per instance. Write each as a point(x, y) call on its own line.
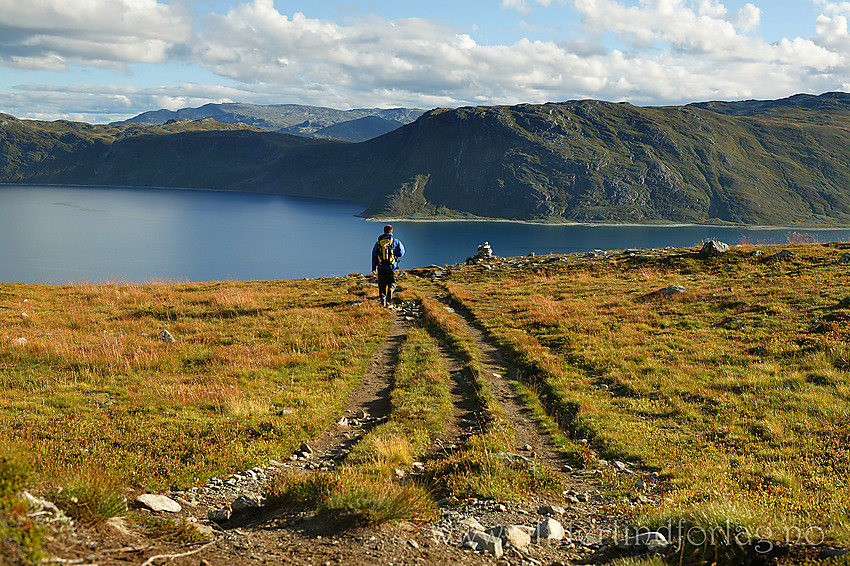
point(386, 278)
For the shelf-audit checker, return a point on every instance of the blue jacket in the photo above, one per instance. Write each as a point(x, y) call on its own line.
point(398, 251)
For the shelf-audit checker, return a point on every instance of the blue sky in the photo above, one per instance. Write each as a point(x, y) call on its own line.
point(106, 60)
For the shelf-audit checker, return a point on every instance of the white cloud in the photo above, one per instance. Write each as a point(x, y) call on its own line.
point(51, 34)
point(670, 51)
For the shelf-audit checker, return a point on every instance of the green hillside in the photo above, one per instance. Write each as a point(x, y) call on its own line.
point(754, 162)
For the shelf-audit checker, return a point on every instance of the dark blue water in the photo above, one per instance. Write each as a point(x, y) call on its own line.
point(62, 234)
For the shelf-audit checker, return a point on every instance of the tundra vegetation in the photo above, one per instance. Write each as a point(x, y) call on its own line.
point(735, 392)
point(731, 397)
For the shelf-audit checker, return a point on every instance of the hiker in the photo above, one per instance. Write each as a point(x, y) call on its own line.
point(385, 255)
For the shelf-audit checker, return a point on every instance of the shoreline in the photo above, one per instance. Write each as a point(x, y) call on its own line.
point(753, 227)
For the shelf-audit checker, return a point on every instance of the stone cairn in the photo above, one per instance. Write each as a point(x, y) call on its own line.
point(484, 252)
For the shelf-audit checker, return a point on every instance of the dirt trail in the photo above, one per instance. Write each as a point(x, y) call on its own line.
point(293, 536)
point(372, 397)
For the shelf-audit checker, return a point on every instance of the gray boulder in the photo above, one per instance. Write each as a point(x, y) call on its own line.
point(550, 530)
point(844, 258)
point(245, 502)
point(713, 248)
point(672, 290)
point(219, 515)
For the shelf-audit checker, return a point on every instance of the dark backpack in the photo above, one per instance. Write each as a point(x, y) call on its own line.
point(386, 257)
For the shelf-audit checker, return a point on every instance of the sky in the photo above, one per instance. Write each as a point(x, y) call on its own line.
point(99, 61)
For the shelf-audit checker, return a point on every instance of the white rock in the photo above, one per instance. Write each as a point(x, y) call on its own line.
point(550, 529)
point(18, 341)
point(156, 502)
point(166, 336)
point(513, 535)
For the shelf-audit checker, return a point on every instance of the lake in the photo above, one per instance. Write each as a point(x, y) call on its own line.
point(71, 234)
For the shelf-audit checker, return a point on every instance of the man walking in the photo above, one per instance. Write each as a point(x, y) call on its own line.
point(385, 255)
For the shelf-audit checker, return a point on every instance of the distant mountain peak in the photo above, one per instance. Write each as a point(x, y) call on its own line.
point(296, 119)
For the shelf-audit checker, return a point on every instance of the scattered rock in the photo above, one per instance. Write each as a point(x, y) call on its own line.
point(713, 248)
point(18, 341)
point(342, 422)
point(549, 530)
point(844, 258)
point(651, 541)
point(783, 255)
point(219, 515)
point(156, 502)
point(482, 541)
point(166, 336)
point(512, 535)
point(362, 414)
point(245, 502)
point(552, 510)
point(205, 530)
point(472, 524)
point(672, 290)
point(305, 448)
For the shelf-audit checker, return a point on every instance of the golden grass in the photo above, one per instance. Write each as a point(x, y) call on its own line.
point(736, 391)
point(257, 367)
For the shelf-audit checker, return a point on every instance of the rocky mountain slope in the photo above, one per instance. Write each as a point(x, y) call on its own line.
point(755, 162)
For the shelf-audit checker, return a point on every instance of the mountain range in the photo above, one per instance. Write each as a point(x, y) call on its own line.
point(781, 162)
point(309, 121)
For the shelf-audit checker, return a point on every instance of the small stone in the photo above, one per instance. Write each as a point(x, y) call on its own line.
point(399, 473)
point(418, 467)
point(641, 485)
point(244, 502)
point(219, 515)
point(485, 542)
point(472, 524)
point(362, 414)
point(305, 448)
point(672, 290)
point(513, 535)
point(844, 258)
point(552, 510)
point(550, 529)
point(159, 503)
point(18, 341)
point(582, 497)
point(204, 530)
point(166, 336)
point(652, 541)
point(342, 422)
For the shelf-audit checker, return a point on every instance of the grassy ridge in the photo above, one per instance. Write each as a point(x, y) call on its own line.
point(737, 391)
